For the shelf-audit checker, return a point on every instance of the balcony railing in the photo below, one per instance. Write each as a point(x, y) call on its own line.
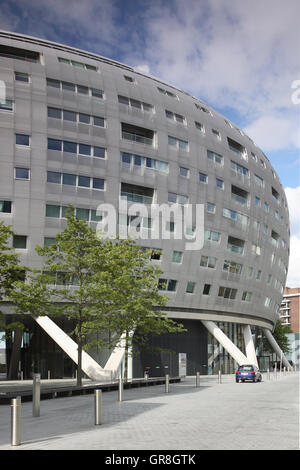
point(137, 138)
point(140, 198)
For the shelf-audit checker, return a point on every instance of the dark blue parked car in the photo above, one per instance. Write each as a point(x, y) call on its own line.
point(248, 372)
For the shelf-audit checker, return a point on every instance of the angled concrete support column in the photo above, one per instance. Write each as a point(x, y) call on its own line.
point(276, 348)
point(89, 366)
point(227, 344)
point(249, 345)
point(116, 360)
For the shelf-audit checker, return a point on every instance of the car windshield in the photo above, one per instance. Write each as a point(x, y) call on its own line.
point(245, 368)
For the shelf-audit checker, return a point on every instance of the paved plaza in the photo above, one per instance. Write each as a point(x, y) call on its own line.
point(246, 416)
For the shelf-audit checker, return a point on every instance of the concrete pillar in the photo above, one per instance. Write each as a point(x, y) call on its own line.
point(276, 348)
point(249, 345)
point(227, 344)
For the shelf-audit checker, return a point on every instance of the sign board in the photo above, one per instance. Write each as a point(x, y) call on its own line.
point(182, 364)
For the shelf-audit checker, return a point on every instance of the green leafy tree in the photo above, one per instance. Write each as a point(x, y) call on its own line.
point(132, 281)
point(279, 334)
point(101, 285)
point(10, 272)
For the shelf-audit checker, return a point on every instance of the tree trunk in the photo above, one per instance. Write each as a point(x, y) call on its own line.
point(79, 363)
point(126, 360)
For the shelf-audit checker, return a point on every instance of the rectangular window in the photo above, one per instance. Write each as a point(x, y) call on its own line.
point(259, 181)
point(95, 217)
point(258, 275)
point(84, 181)
point(232, 267)
point(99, 152)
point(235, 245)
point(98, 183)
point(220, 183)
point(22, 139)
point(199, 126)
point(48, 241)
point(206, 289)
point(267, 301)
point(230, 214)
point(178, 143)
point(6, 105)
point(255, 249)
point(5, 207)
point(53, 83)
point(215, 157)
point(70, 147)
point(22, 173)
point(237, 148)
point(184, 172)
point(54, 113)
point(177, 257)
point(82, 214)
point(53, 177)
point(22, 77)
point(156, 254)
point(211, 207)
point(202, 177)
point(54, 144)
point(77, 64)
point(246, 296)
point(212, 235)
point(84, 149)
point(52, 211)
point(126, 158)
point(190, 287)
point(216, 134)
point(174, 198)
point(169, 285)
point(250, 271)
point(239, 168)
point(67, 86)
point(227, 292)
point(82, 90)
point(96, 93)
point(19, 54)
point(98, 121)
point(84, 118)
point(208, 262)
point(69, 116)
point(239, 195)
point(20, 241)
point(69, 179)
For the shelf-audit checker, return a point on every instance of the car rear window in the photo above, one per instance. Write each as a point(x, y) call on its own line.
point(245, 368)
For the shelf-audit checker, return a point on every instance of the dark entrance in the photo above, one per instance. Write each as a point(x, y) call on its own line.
point(158, 364)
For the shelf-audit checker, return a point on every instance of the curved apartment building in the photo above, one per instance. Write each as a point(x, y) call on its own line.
point(79, 128)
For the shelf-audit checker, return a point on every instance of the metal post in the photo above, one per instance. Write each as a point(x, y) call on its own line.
point(268, 374)
point(36, 395)
point(120, 397)
point(98, 406)
point(219, 377)
point(167, 385)
point(48, 374)
point(275, 370)
point(16, 421)
point(198, 379)
point(284, 371)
